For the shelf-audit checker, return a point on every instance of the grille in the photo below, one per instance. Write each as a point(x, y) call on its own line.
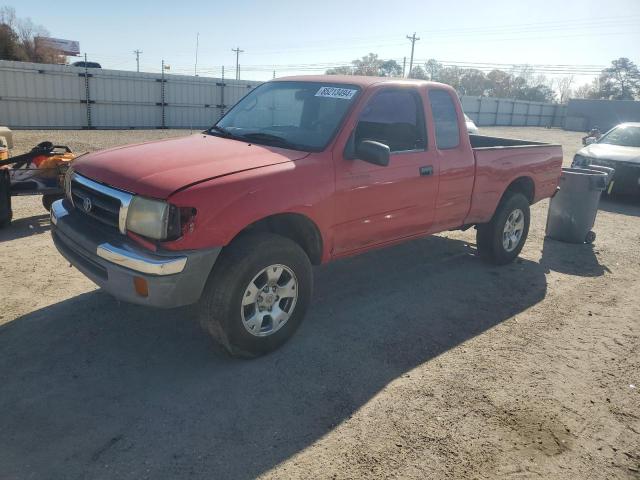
point(98, 201)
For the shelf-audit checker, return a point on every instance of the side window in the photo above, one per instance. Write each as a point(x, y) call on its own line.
point(395, 118)
point(445, 119)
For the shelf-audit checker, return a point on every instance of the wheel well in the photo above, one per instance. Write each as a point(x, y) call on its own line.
point(294, 226)
point(522, 185)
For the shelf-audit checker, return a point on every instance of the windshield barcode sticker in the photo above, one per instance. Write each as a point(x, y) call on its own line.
point(335, 92)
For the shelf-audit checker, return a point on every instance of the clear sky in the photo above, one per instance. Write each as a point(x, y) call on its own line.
point(291, 37)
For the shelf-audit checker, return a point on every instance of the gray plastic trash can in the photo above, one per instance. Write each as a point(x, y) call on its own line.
point(573, 209)
point(608, 170)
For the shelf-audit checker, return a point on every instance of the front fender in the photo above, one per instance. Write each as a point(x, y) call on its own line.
point(227, 205)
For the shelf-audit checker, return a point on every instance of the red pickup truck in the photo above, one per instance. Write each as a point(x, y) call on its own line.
point(301, 171)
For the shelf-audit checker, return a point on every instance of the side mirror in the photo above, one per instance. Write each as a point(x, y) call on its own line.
point(589, 140)
point(373, 152)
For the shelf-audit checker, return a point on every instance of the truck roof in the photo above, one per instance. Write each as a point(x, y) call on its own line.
point(361, 81)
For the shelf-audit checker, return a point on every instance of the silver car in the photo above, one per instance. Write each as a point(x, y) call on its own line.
point(471, 127)
point(619, 148)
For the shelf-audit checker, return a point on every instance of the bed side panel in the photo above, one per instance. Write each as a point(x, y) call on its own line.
point(497, 168)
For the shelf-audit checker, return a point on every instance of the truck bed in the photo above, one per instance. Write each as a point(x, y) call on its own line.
point(485, 141)
point(501, 161)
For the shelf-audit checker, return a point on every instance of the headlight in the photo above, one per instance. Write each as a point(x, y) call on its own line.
point(153, 219)
point(580, 161)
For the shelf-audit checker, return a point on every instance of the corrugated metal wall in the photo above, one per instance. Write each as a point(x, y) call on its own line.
point(583, 115)
point(487, 111)
point(55, 96)
point(36, 95)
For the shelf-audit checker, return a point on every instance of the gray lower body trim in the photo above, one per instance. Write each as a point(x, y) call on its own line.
point(78, 242)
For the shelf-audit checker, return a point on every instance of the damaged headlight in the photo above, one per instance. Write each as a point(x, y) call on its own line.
point(580, 161)
point(154, 219)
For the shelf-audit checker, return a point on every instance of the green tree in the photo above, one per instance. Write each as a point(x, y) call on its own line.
point(451, 76)
point(369, 65)
point(18, 40)
point(433, 69)
point(621, 81)
point(9, 44)
point(418, 73)
point(473, 82)
point(344, 70)
point(390, 68)
point(499, 84)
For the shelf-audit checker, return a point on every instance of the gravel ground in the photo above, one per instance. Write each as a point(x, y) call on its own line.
point(417, 361)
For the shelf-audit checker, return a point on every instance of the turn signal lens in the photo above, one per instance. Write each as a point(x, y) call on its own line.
point(141, 286)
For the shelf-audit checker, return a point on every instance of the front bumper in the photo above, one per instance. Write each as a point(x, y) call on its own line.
point(626, 178)
point(113, 261)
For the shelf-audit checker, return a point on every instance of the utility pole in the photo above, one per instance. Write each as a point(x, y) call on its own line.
point(413, 39)
point(195, 69)
point(238, 52)
point(137, 52)
point(404, 65)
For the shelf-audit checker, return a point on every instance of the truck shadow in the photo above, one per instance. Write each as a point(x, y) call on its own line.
point(94, 389)
point(25, 227)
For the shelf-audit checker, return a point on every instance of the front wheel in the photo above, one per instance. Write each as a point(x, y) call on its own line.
point(501, 240)
point(257, 294)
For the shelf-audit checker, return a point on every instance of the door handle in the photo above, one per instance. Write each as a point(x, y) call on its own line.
point(426, 171)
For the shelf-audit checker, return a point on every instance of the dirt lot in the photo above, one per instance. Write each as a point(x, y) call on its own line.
point(417, 361)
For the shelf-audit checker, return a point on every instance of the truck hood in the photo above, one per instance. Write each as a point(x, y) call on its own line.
point(606, 151)
point(157, 169)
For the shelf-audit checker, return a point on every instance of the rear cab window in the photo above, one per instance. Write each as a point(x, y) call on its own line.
point(394, 117)
point(445, 119)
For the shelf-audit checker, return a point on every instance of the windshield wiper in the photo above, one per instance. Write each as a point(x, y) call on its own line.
point(223, 131)
point(271, 139)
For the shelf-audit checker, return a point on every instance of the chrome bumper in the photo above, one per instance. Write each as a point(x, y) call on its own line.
point(115, 262)
point(128, 257)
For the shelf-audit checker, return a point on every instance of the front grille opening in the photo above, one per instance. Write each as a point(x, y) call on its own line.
point(96, 204)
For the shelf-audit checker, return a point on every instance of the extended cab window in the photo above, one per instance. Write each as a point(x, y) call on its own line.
point(395, 118)
point(297, 115)
point(445, 119)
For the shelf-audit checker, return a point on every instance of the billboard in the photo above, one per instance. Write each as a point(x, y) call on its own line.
point(65, 47)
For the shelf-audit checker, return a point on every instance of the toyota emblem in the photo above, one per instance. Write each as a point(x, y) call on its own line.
point(86, 204)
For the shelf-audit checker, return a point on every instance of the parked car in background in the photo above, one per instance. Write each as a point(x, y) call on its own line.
point(86, 64)
point(301, 171)
point(471, 127)
point(619, 148)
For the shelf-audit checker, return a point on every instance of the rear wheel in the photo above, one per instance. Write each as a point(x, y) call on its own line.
point(501, 240)
point(257, 294)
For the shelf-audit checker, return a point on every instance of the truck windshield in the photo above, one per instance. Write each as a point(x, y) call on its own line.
point(297, 115)
point(624, 136)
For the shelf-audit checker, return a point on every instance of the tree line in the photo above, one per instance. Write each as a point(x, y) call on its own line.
point(621, 81)
point(19, 40)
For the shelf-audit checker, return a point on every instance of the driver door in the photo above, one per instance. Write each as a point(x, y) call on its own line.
point(381, 204)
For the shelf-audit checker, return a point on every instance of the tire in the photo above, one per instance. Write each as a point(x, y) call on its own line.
point(5, 222)
point(237, 274)
point(47, 200)
point(490, 236)
point(590, 238)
